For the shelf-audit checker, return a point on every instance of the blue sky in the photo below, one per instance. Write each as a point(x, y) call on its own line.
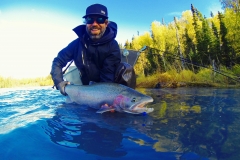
point(33, 31)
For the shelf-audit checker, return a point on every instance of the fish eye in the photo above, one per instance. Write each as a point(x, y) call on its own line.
point(133, 100)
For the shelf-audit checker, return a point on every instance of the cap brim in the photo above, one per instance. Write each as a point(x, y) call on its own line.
point(94, 14)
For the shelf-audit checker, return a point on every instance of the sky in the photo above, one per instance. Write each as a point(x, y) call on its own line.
point(32, 32)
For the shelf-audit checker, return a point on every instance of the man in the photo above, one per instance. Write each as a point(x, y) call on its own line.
point(95, 52)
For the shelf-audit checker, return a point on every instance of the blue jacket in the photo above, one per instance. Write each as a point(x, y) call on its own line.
point(96, 60)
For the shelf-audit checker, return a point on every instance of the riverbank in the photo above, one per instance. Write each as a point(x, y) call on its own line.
point(186, 79)
point(169, 79)
point(25, 82)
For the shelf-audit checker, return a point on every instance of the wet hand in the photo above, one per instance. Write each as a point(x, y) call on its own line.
point(61, 86)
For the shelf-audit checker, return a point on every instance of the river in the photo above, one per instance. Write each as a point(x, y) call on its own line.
point(187, 124)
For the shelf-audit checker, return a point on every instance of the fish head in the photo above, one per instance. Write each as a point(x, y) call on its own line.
point(132, 101)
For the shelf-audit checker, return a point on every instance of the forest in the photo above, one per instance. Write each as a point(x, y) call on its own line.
point(193, 44)
point(190, 49)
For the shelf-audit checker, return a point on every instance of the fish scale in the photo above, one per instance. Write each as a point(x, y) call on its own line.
point(121, 98)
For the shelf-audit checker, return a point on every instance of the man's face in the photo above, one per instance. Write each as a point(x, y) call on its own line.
point(96, 26)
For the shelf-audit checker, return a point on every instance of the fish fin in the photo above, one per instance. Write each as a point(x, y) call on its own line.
point(91, 82)
point(105, 108)
point(68, 100)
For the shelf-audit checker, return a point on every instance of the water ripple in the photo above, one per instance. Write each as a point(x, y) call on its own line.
point(20, 107)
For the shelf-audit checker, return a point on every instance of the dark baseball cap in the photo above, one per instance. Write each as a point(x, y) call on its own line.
point(96, 9)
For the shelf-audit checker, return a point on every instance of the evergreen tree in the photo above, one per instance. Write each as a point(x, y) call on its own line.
point(215, 50)
point(199, 37)
point(204, 37)
point(225, 49)
point(207, 42)
point(128, 45)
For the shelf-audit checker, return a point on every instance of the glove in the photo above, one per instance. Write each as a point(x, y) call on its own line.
point(61, 86)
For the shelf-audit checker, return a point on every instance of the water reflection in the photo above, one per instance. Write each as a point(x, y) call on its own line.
point(197, 120)
point(100, 134)
point(186, 124)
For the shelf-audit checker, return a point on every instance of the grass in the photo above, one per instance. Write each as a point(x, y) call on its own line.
point(26, 82)
point(186, 78)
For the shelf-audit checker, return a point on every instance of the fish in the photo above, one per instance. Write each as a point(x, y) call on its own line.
point(106, 97)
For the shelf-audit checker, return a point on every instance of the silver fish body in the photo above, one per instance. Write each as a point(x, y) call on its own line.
point(109, 97)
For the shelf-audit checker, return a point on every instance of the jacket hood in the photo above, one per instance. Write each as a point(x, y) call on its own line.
point(110, 33)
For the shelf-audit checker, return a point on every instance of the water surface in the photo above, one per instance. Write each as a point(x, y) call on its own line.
point(187, 123)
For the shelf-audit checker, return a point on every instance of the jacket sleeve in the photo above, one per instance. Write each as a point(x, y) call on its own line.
point(63, 57)
point(111, 63)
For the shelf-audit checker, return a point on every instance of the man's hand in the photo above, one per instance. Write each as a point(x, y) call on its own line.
point(61, 86)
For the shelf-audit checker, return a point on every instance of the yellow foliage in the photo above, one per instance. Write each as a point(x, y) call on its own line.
point(232, 22)
point(142, 40)
point(142, 62)
point(216, 22)
point(159, 32)
point(204, 75)
point(187, 23)
point(11, 82)
point(171, 39)
point(187, 76)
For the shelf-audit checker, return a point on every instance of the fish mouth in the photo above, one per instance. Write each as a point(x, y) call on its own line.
point(140, 107)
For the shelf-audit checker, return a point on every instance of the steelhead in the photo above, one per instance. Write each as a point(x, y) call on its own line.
point(109, 97)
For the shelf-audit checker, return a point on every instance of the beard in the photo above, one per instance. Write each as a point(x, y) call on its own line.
point(95, 36)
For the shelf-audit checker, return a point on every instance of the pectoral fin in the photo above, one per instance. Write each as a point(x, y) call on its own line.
point(105, 108)
point(68, 100)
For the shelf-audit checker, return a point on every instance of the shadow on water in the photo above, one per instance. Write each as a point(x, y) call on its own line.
point(100, 134)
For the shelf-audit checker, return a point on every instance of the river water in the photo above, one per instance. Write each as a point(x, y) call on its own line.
point(187, 124)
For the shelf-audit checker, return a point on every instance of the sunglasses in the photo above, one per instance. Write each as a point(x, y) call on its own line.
point(99, 20)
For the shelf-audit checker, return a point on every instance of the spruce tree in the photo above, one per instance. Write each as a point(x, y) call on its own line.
point(225, 49)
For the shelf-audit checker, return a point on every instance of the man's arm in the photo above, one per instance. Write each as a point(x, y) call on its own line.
point(63, 57)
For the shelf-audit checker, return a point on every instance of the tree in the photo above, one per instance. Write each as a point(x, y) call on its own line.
point(215, 50)
point(159, 32)
point(197, 23)
point(128, 45)
point(232, 22)
point(225, 46)
point(142, 40)
point(201, 40)
point(171, 41)
point(233, 4)
point(188, 36)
